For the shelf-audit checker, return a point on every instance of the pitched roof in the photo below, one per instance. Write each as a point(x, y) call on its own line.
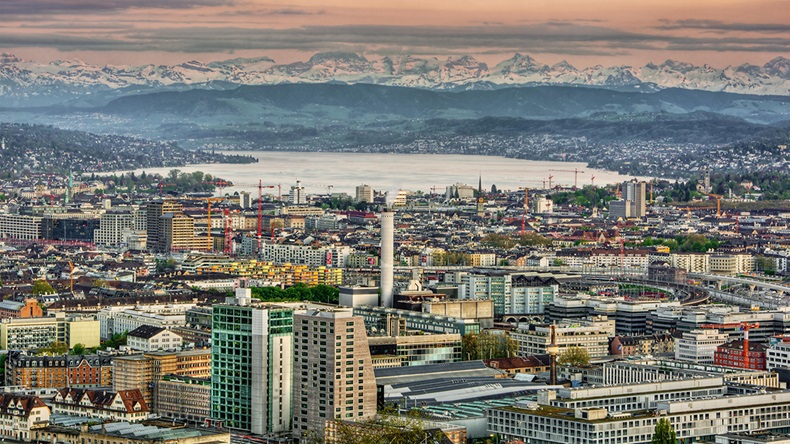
point(9, 402)
point(145, 331)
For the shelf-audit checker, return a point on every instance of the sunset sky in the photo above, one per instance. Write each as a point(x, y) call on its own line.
point(583, 32)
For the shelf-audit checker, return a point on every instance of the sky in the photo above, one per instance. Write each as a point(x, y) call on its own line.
point(582, 32)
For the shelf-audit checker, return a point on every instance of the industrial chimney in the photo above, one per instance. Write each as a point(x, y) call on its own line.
point(387, 229)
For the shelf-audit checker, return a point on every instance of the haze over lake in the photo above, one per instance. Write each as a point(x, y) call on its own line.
point(344, 171)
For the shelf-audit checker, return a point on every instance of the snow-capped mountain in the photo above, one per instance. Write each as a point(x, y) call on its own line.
point(27, 82)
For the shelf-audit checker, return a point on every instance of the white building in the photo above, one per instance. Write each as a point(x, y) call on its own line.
point(113, 226)
point(778, 354)
point(364, 193)
point(21, 413)
point(17, 226)
point(119, 319)
point(149, 338)
point(334, 256)
point(590, 334)
point(698, 346)
point(297, 195)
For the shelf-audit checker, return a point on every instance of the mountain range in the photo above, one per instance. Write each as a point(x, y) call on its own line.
point(28, 83)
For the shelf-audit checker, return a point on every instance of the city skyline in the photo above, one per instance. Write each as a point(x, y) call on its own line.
point(718, 33)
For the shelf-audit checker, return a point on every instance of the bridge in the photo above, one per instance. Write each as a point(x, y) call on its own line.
point(751, 283)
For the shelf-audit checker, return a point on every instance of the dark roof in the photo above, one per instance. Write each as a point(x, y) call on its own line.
point(146, 331)
point(9, 401)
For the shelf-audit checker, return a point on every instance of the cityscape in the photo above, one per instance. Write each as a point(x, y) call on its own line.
point(240, 222)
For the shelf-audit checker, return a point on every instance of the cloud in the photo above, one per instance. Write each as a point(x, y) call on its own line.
point(37, 7)
point(719, 26)
point(551, 38)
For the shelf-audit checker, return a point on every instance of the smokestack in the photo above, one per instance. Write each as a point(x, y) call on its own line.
point(553, 350)
point(387, 229)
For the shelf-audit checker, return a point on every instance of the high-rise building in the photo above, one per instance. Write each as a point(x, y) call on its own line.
point(364, 193)
point(327, 343)
point(635, 192)
point(251, 365)
point(297, 195)
point(169, 229)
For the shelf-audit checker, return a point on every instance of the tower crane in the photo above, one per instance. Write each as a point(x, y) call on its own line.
point(718, 203)
point(550, 177)
point(744, 326)
point(575, 172)
point(592, 181)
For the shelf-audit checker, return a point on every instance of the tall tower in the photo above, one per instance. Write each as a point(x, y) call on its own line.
point(480, 201)
point(333, 371)
point(251, 367)
point(553, 350)
point(387, 253)
point(70, 188)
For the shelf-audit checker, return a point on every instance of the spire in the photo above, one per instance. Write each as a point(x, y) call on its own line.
point(480, 185)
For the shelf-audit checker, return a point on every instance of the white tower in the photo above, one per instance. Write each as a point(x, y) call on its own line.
point(387, 230)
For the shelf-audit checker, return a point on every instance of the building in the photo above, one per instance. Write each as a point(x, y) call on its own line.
point(114, 227)
point(144, 371)
point(327, 343)
point(364, 193)
point(35, 333)
point(656, 370)
point(531, 365)
point(13, 309)
point(251, 365)
point(183, 399)
point(297, 196)
point(169, 229)
point(732, 354)
point(36, 372)
point(778, 354)
point(132, 433)
point(657, 343)
point(379, 319)
point(698, 346)
point(418, 349)
point(150, 338)
point(20, 415)
point(591, 334)
point(68, 228)
point(358, 296)
point(123, 405)
point(512, 293)
point(119, 319)
point(699, 419)
point(17, 226)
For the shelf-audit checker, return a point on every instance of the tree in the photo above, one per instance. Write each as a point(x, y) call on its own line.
point(488, 345)
point(575, 357)
point(55, 348)
point(79, 349)
point(664, 433)
point(387, 427)
point(42, 287)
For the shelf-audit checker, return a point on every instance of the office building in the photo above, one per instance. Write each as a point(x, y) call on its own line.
point(732, 354)
point(418, 349)
point(364, 193)
point(591, 334)
point(34, 333)
point(131, 433)
point(333, 372)
point(297, 196)
point(698, 346)
point(183, 399)
point(251, 365)
point(512, 293)
point(18, 226)
point(169, 229)
point(119, 319)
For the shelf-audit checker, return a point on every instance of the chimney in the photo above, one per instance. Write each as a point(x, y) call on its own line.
point(387, 230)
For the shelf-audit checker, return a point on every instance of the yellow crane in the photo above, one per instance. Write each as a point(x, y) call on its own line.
point(718, 203)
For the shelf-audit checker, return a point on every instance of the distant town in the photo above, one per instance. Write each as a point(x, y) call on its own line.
point(146, 308)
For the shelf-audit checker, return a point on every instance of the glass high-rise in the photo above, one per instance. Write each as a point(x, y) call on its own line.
point(251, 365)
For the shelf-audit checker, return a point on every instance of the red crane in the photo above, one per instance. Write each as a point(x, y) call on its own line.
point(550, 177)
point(745, 326)
point(162, 185)
point(592, 181)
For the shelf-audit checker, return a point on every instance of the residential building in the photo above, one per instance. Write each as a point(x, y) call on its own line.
point(657, 343)
point(20, 415)
point(251, 365)
point(732, 354)
point(151, 338)
point(512, 293)
point(326, 343)
point(123, 405)
point(36, 372)
point(144, 371)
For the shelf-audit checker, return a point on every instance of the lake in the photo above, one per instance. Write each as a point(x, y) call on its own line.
point(344, 171)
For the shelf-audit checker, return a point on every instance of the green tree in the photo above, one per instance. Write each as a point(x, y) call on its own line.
point(664, 433)
point(575, 357)
point(55, 348)
point(325, 293)
point(79, 349)
point(117, 340)
point(487, 345)
point(41, 286)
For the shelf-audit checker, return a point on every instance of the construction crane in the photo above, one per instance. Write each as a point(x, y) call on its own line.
point(71, 277)
point(575, 172)
point(550, 177)
point(228, 233)
point(162, 185)
point(592, 181)
point(718, 203)
point(744, 326)
point(526, 209)
point(688, 213)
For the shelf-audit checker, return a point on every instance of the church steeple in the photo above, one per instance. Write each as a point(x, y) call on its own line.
point(480, 201)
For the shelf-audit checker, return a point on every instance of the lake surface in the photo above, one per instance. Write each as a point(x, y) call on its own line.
point(344, 171)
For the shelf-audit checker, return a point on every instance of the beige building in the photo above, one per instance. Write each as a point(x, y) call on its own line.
point(183, 399)
point(591, 334)
point(34, 333)
point(145, 370)
point(126, 433)
point(317, 395)
point(731, 264)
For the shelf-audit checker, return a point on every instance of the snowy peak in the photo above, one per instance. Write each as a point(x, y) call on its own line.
point(25, 80)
